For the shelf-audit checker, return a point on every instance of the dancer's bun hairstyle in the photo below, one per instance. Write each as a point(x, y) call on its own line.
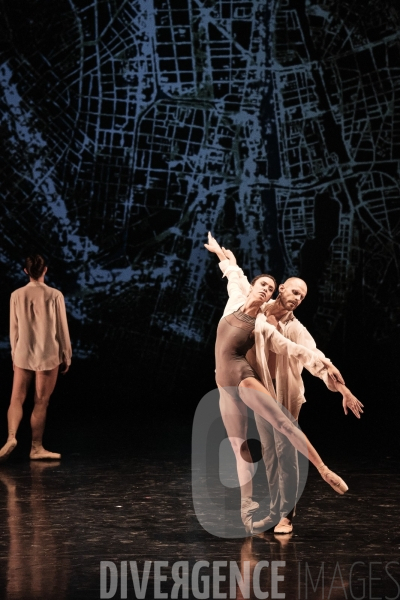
point(35, 265)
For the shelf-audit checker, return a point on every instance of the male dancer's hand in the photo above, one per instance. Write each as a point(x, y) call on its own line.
point(333, 372)
point(65, 368)
point(350, 401)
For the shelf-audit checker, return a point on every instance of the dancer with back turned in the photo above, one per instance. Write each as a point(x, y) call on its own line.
point(40, 343)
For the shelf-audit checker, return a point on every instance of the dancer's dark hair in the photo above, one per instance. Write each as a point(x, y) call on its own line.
point(265, 275)
point(35, 265)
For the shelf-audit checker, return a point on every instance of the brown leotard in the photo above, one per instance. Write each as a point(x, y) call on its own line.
point(234, 338)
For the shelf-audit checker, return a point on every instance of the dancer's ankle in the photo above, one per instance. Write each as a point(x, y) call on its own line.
point(246, 499)
point(37, 446)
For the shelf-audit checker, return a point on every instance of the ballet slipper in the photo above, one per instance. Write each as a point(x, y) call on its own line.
point(284, 526)
point(334, 480)
point(7, 449)
point(264, 524)
point(44, 455)
point(248, 508)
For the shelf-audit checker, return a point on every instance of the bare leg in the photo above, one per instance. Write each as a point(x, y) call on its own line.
point(44, 387)
point(21, 382)
point(256, 397)
point(234, 416)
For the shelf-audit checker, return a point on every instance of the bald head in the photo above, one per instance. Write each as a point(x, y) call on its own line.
point(295, 281)
point(292, 292)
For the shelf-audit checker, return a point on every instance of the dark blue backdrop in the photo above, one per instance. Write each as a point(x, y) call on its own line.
point(128, 129)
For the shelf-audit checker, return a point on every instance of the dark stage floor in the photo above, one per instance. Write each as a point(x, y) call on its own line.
point(60, 520)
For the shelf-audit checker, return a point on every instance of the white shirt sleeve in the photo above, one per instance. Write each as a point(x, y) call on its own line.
point(281, 345)
point(62, 331)
point(13, 326)
point(237, 288)
point(303, 337)
point(235, 274)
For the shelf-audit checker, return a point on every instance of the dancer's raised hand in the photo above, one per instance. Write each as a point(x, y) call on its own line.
point(229, 255)
point(214, 247)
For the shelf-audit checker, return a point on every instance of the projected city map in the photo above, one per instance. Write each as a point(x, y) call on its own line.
point(131, 128)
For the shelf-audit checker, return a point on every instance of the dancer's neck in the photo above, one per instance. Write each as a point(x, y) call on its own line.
point(251, 307)
point(277, 309)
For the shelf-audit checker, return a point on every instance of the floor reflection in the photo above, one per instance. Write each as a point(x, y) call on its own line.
point(61, 521)
point(36, 566)
point(263, 560)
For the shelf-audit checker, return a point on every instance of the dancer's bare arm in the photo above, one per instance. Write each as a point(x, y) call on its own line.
point(214, 247)
point(238, 286)
point(350, 401)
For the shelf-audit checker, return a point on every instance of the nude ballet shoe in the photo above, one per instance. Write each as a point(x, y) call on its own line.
point(264, 524)
point(44, 455)
point(284, 527)
point(334, 480)
point(248, 508)
point(7, 449)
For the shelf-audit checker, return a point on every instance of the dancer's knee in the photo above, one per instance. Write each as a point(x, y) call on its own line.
point(236, 444)
point(42, 400)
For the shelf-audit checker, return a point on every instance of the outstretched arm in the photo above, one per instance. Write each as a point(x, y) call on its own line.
point(294, 349)
point(214, 247)
point(238, 286)
point(230, 264)
point(232, 271)
point(335, 384)
point(282, 345)
point(300, 335)
point(350, 401)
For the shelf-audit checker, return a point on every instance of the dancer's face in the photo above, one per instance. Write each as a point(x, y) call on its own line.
point(262, 289)
point(292, 293)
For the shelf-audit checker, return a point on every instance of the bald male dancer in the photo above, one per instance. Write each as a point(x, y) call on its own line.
point(280, 457)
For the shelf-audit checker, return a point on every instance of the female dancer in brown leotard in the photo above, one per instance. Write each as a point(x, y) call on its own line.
point(240, 387)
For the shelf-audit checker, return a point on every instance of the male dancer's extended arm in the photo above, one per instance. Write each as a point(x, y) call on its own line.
point(298, 335)
point(302, 336)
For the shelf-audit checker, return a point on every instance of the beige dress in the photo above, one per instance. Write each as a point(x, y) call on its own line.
point(38, 328)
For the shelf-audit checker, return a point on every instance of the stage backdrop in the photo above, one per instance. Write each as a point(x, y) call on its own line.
point(131, 128)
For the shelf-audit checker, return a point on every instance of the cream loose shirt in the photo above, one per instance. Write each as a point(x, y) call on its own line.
point(38, 328)
point(289, 383)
